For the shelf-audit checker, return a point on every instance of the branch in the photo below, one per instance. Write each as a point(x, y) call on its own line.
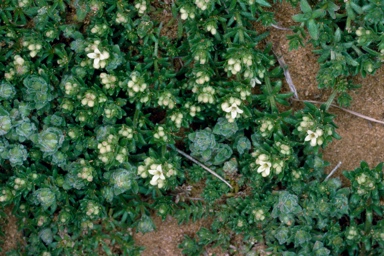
point(203, 166)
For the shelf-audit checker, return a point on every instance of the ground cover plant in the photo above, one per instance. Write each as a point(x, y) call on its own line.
point(99, 103)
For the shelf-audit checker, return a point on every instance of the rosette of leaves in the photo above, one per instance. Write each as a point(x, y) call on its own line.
point(5, 124)
point(37, 91)
point(7, 91)
point(145, 224)
point(286, 207)
point(122, 180)
point(225, 128)
point(50, 140)
point(46, 235)
point(203, 143)
point(16, 154)
point(45, 197)
point(25, 129)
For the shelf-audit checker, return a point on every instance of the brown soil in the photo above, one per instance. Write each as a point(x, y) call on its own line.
point(13, 238)
point(361, 139)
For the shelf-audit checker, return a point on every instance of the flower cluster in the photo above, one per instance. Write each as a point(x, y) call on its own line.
point(244, 92)
point(6, 195)
point(202, 4)
point(201, 77)
point(187, 13)
point(99, 57)
point(231, 107)
point(284, 149)
point(160, 134)
point(266, 164)
point(109, 81)
point(166, 99)
point(121, 18)
point(86, 173)
point(34, 48)
point(141, 7)
point(92, 209)
point(211, 27)
point(177, 118)
point(159, 172)
point(193, 109)
point(71, 88)
point(305, 124)
point(205, 94)
point(89, 99)
point(19, 184)
point(315, 137)
point(42, 220)
point(107, 148)
point(201, 57)
point(23, 3)
point(126, 132)
point(136, 85)
point(259, 214)
point(99, 29)
point(20, 68)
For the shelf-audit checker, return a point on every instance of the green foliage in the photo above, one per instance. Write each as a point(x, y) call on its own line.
point(94, 100)
point(347, 37)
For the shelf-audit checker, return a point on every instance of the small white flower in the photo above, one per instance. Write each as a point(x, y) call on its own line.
point(232, 109)
point(157, 174)
point(264, 169)
point(98, 58)
point(313, 136)
point(255, 81)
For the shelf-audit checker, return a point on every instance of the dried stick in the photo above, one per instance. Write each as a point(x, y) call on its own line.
point(287, 75)
point(346, 110)
point(203, 166)
point(333, 171)
point(281, 28)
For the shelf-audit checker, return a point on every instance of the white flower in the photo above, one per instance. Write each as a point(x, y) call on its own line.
point(232, 109)
point(98, 58)
point(255, 81)
point(157, 173)
point(314, 137)
point(264, 169)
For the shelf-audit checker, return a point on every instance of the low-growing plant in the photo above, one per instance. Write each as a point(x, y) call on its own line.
point(347, 36)
point(98, 107)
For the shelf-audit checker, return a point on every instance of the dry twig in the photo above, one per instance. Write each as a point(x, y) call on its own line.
point(333, 171)
point(203, 166)
point(346, 110)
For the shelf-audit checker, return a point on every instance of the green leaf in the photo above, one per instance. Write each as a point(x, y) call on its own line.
point(263, 3)
point(305, 7)
point(318, 13)
point(313, 29)
point(300, 17)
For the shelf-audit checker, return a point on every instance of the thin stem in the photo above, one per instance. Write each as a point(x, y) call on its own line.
point(203, 166)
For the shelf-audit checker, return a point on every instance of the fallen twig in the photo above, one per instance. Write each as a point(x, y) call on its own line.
point(281, 28)
point(203, 166)
point(333, 171)
point(287, 75)
point(346, 110)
